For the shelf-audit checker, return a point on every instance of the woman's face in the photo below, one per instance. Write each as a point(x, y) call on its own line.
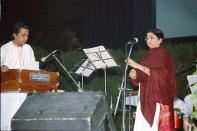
point(152, 40)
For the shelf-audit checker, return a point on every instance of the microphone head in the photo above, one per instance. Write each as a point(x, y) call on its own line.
point(46, 57)
point(43, 59)
point(135, 40)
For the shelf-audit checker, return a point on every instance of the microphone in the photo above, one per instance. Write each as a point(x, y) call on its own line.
point(43, 59)
point(135, 40)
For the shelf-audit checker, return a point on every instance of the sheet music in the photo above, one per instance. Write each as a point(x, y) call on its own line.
point(192, 79)
point(100, 57)
point(86, 68)
point(94, 49)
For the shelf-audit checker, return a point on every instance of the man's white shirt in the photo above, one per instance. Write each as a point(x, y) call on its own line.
point(15, 58)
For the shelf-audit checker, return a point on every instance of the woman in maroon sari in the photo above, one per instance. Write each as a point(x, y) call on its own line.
point(156, 75)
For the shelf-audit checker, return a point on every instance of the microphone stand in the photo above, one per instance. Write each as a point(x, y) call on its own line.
point(64, 68)
point(122, 91)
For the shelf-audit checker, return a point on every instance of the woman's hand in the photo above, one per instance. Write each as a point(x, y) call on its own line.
point(133, 74)
point(135, 65)
point(132, 63)
point(4, 68)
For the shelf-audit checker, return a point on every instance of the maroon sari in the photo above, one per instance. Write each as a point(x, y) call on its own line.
point(160, 86)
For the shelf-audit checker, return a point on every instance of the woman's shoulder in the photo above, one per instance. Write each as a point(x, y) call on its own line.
point(163, 51)
point(158, 53)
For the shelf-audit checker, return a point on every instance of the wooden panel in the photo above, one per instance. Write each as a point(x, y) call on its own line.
point(29, 80)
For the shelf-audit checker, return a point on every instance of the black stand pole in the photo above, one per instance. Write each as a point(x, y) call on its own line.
point(64, 68)
point(122, 91)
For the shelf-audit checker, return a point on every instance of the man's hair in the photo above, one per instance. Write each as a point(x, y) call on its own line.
point(18, 26)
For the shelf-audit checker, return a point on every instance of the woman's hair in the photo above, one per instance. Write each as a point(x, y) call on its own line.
point(158, 33)
point(18, 26)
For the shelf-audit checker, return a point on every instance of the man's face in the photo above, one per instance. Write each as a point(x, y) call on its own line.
point(21, 38)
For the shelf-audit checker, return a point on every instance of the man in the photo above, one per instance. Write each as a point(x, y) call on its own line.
point(16, 54)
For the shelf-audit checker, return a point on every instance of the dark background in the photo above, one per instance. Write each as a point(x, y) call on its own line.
point(79, 23)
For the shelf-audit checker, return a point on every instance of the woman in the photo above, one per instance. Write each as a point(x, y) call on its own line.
point(156, 75)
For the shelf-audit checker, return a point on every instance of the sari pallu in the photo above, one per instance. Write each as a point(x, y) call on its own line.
point(160, 85)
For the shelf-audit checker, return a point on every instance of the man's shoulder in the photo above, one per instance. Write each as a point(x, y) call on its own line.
point(11, 45)
point(7, 45)
point(27, 46)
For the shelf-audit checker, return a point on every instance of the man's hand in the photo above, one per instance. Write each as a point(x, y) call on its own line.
point(4, 68)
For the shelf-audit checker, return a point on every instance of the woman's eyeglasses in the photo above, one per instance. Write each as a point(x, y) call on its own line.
point(150, 37)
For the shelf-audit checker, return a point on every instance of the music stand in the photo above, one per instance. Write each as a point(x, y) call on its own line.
point(191, 80)
point(86, 69)
point(101, 59)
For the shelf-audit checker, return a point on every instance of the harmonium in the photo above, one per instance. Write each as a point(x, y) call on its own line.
point(29, 81)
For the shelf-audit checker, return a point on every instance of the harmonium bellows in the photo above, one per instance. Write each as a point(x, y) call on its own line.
point(29, 81)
